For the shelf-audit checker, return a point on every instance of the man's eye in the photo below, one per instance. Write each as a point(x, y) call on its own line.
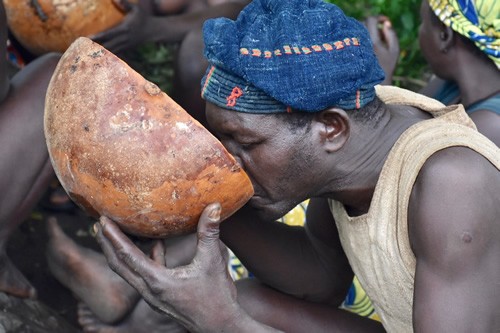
point(248, 145)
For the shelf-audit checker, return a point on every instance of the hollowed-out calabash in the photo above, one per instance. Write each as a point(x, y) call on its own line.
point(43, 26)
point(122, 148)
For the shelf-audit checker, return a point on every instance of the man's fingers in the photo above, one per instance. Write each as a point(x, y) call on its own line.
point(372, 25)
point(123, 255)
point(113, 261)
point(106, 35)
point(390, 35)
point(208, 228)
point(124, 6)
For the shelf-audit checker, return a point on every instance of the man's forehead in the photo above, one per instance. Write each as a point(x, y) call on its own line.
point(221, 118)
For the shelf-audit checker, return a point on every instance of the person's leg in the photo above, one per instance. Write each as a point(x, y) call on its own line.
point(142, 319)
point(25, 169)
point(110, 304)
point(86, 273)
point(190, 66)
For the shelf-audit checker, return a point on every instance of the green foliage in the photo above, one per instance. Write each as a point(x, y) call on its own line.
point(154, 61)
point(412, 68)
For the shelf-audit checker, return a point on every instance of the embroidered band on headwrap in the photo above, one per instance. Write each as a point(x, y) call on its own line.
point(477, 20)
point(279, 56)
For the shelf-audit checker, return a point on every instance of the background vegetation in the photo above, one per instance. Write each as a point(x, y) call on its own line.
point(154, 61)
point(412, 71)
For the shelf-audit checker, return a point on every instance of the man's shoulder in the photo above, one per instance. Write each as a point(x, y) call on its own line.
point(457, 189)
point(454, 174)
point(458, 165)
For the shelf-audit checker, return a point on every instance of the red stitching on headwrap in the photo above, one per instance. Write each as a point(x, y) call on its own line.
point(328, 46)
point(339, 45)
point(306, 50)
point(235, 94)
point(358, 103)
point(289, 109)
point(209, 75)
point(301, 50)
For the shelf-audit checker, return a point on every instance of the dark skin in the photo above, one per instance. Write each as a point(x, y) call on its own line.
point(476, 75)
point(25, 169)
point(141, 25)
point(385, 44)
point(456, 241)
point(451, 58)
point(149, 21)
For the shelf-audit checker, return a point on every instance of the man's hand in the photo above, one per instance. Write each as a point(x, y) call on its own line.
point(201, 295)
point(130, 33)
point(385, 44)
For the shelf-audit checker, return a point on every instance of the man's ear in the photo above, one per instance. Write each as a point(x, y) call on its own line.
point(333, 126)
point(446, 38)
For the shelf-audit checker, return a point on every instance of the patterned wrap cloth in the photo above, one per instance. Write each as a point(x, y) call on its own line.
point(477, 20)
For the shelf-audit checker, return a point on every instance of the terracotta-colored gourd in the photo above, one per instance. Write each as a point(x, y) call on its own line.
point(124, 149)
point(42, 26)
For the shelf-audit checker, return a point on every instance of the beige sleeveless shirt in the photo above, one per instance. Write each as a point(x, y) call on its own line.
point(377, 243)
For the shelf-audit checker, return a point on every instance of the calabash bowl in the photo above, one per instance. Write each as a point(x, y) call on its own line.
point(122, 148)
point(43, 26)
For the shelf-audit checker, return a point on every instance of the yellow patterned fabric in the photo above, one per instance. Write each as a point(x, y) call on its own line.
point(296, 216)
point(356, 300)
point(477, 20)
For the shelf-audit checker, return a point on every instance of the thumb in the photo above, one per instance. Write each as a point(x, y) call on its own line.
point(208, 228)
point(124, 6)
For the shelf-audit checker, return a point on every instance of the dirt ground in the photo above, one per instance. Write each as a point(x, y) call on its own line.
point(27, 247)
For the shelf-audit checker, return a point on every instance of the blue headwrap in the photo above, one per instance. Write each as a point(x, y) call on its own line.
point(280, 55)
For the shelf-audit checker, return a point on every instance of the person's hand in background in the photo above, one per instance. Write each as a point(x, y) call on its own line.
point(385, 44)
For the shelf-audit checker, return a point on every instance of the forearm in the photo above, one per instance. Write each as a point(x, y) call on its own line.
point(174, 28)
point(246, 324)
point(284, 258)
point(293, 315)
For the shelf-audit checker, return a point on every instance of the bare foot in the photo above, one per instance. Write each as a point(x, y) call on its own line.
point(86, 273)
point(143, 319)
point(12, 281)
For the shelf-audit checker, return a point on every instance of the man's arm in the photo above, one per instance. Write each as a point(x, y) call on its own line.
point(306, 262)
point(454, 223)
point(139, 26)
point(487, 123)
point(201, 295)
point(4, 78)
